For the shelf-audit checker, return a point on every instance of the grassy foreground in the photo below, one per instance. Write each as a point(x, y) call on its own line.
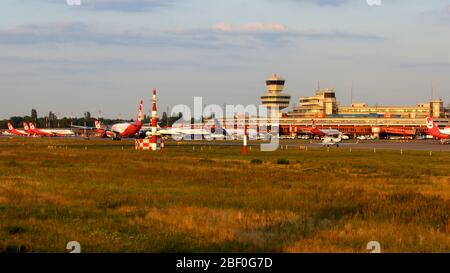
point(111, 198)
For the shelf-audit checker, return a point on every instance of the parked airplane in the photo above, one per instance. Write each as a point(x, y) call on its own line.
point(50, 132)
point(31, 130)
point(13, 131)
point(433, 130)
point(99, 129)
point(38, 132)
point(334, 141)
point(238, 133)
point(321, 132)
point(181, 131)
point(119, 130)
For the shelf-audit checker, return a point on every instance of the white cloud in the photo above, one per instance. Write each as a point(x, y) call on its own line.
point(253, 27)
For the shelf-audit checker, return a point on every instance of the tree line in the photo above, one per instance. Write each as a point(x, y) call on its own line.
point(52, 121)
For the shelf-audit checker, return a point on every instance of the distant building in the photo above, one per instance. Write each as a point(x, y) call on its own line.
point(323, 104)
point(274, 98)
point(355, 119)
point(421, 110)
point(447, 111)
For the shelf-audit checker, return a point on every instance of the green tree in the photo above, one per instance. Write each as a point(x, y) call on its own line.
point(34, 115)
point(164, 121)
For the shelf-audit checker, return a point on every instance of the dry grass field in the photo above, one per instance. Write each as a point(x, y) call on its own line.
point(111, 198)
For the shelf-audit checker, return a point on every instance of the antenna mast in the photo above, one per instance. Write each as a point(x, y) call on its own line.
point(351, 95)
point(432, 90)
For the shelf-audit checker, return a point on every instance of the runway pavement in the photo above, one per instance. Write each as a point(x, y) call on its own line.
point(413, 145)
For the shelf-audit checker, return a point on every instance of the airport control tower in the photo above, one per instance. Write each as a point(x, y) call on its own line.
point(274, 97)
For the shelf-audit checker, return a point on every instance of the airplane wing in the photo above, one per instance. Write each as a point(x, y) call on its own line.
point(90, 128)
point(83, 127)
point(62, 133)
point(160, 132)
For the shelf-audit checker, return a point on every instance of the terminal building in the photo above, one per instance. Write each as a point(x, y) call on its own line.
point(324, 104)
point(355, 119)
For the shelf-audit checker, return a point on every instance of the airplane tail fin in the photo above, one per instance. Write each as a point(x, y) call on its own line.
point(218, 128)
point(32, 127)
point(433, 129)
point(10, 127)
point(314, 124)
point(98, 124)
point(139, 117)
point(25, 126)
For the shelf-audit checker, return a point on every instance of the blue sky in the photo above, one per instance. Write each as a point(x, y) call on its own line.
point(108, 54)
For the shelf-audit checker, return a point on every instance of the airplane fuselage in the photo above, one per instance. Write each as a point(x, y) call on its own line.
point(41, 133)
point(322, 132)
point(126, 129)
point(444, 133)
point(17, 132)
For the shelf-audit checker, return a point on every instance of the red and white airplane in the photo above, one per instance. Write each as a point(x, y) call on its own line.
point(31, 130)
point(37, 132)
point(101, 131)
point(119, 130)
point(180, 131)
point(433, 130)
point(127, 129)
point(321, 132)
point(13, 131)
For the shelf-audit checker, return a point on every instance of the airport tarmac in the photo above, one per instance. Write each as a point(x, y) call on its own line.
point(413, 145)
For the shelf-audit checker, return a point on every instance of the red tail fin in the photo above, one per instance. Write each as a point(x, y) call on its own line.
point(139, 117)
point(25, 126)
point(98, 125)
point(32, 127)
point(433, 129)
point(10, 127)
